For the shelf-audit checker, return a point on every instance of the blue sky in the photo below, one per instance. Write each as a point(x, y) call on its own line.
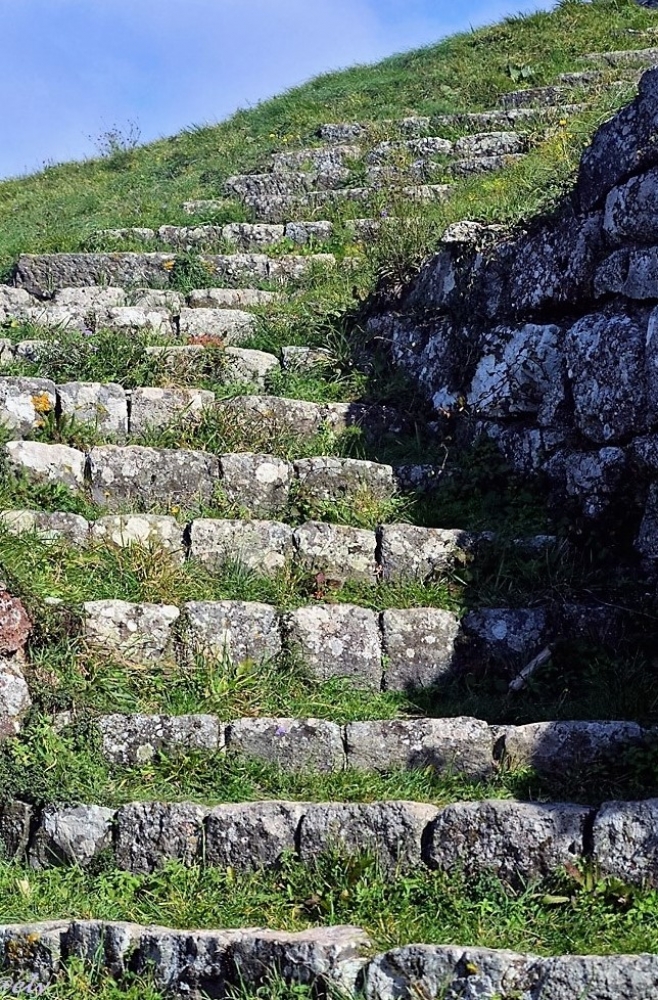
point(73, 69)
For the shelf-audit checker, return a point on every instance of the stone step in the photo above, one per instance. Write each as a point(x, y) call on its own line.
point(319, 158)
point(41, 274)
point(243, 236)
point(275, 209)
point(27, 402)
point(15, 302)
point(246, 186)
point(639, 57)
point(184, 963)
point(482, 144)
point(338, 959)
point(506, 117)
point(534, 97)
point(516, 841)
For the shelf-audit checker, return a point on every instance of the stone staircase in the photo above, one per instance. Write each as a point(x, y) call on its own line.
point(213, 509)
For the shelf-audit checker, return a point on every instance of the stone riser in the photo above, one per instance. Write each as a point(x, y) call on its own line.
point(518, 841)
point(194, 963)
point(41, 274)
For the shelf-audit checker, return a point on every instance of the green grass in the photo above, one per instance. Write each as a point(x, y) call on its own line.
point(405, 908)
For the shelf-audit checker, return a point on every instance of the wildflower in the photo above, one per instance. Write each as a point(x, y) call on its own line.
point(175, 509)
point(169, 265)
point(42, 403)
point(563, 121)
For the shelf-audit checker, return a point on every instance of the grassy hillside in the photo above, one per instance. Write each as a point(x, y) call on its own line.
point(60, 207)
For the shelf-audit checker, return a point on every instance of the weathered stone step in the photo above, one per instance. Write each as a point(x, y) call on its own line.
point(506, 117)
point(483, 144)
point(247, 186)
point(515, 841)
point(40, 274)
point(330, 959)
point(16, 303)
point(26, 403)
point(639, 57)
point(185, 963)
point(244, 236)
point(277, 208)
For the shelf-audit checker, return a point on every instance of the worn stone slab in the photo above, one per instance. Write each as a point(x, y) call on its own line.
point(391, 831)
point(155, 409)
point(625, 841)
point(240, 268)
point(48, 316)
point(239, 631)
point(14, 301)
point(421, 553)
point(191, 237)
point(259, 484)
point(303, 233)
point(229, 298)
point(630, 211)
point(553, 748)
point(507, 634)
point(104, 405)
point(317, 158)
point(158, 299)
point(327, 479)
point(305, 358)
point(15, 700)
point(420, 647)
point(265, 547)
point(230, 326)
point(136, 739)
point(149, 834)
point(150, 531)
point(290, 744)
point(337, 640)
point(137, 633)
point(251, 367)
point(136, 319)
point(49, 527)
point(248, 236)
point(252, 835)
point(403, 149)
point(632, 273)
point(293, 417)
point(71, 835)
point(517, 841)
point(461, 746)
point(337, 552)
point(53, 463)
point(42, 273)
point(25, 404)
point(148, 476)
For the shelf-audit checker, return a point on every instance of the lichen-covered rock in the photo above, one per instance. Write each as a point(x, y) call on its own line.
point(460, 746)
point(41, 273)
point(25, 404)
point(91, 299)
point(291, 744)
point(625, 839)
point(231, 326)
point(137, 633)
point(149, 531)
point(15, 698)
point(517, 841)
point(264, 547)
point(490, 144)
point(52, 463)
point(136, 319)
point(258, 483)
point(507, 634)
point(331, 479)
point(420, 647)
point(305, 358)
point(594, 478)
point(252, 835)
point(337, 640)
point(104, 406)
point(646, 542)
point(337, 552)
point(517, 370)
point(275, 414)
point(605, 361)
point(420, 553)
point(242, 365)
point(632, 273)
point(553, 748)
point(238, 631)
point(149, 834)
point(136, 739)
point(630, 211)
point(391, 831)
point(148, 476)
point(15, 624)
point(158, 298)
point(229, 298)
point(154, 408)
point(71, 835)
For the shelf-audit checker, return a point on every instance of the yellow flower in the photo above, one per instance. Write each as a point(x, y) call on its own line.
point(175, 509)
point(169, 265)
point(563, 121)
point(41, 403)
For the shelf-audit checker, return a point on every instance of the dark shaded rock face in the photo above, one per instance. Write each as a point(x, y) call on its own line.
point(547, 341)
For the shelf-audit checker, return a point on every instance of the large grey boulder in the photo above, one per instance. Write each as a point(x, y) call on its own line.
point(420, 647)
point(151, 476)
point(252, 835)
point(290, 744)
point(264, 547)
point(391, 831)
point(461, 746)
point(337, 640)
point(236, 631)
point(71, 835)
point(137, 633)
point(517, 841)
point(149, 834)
